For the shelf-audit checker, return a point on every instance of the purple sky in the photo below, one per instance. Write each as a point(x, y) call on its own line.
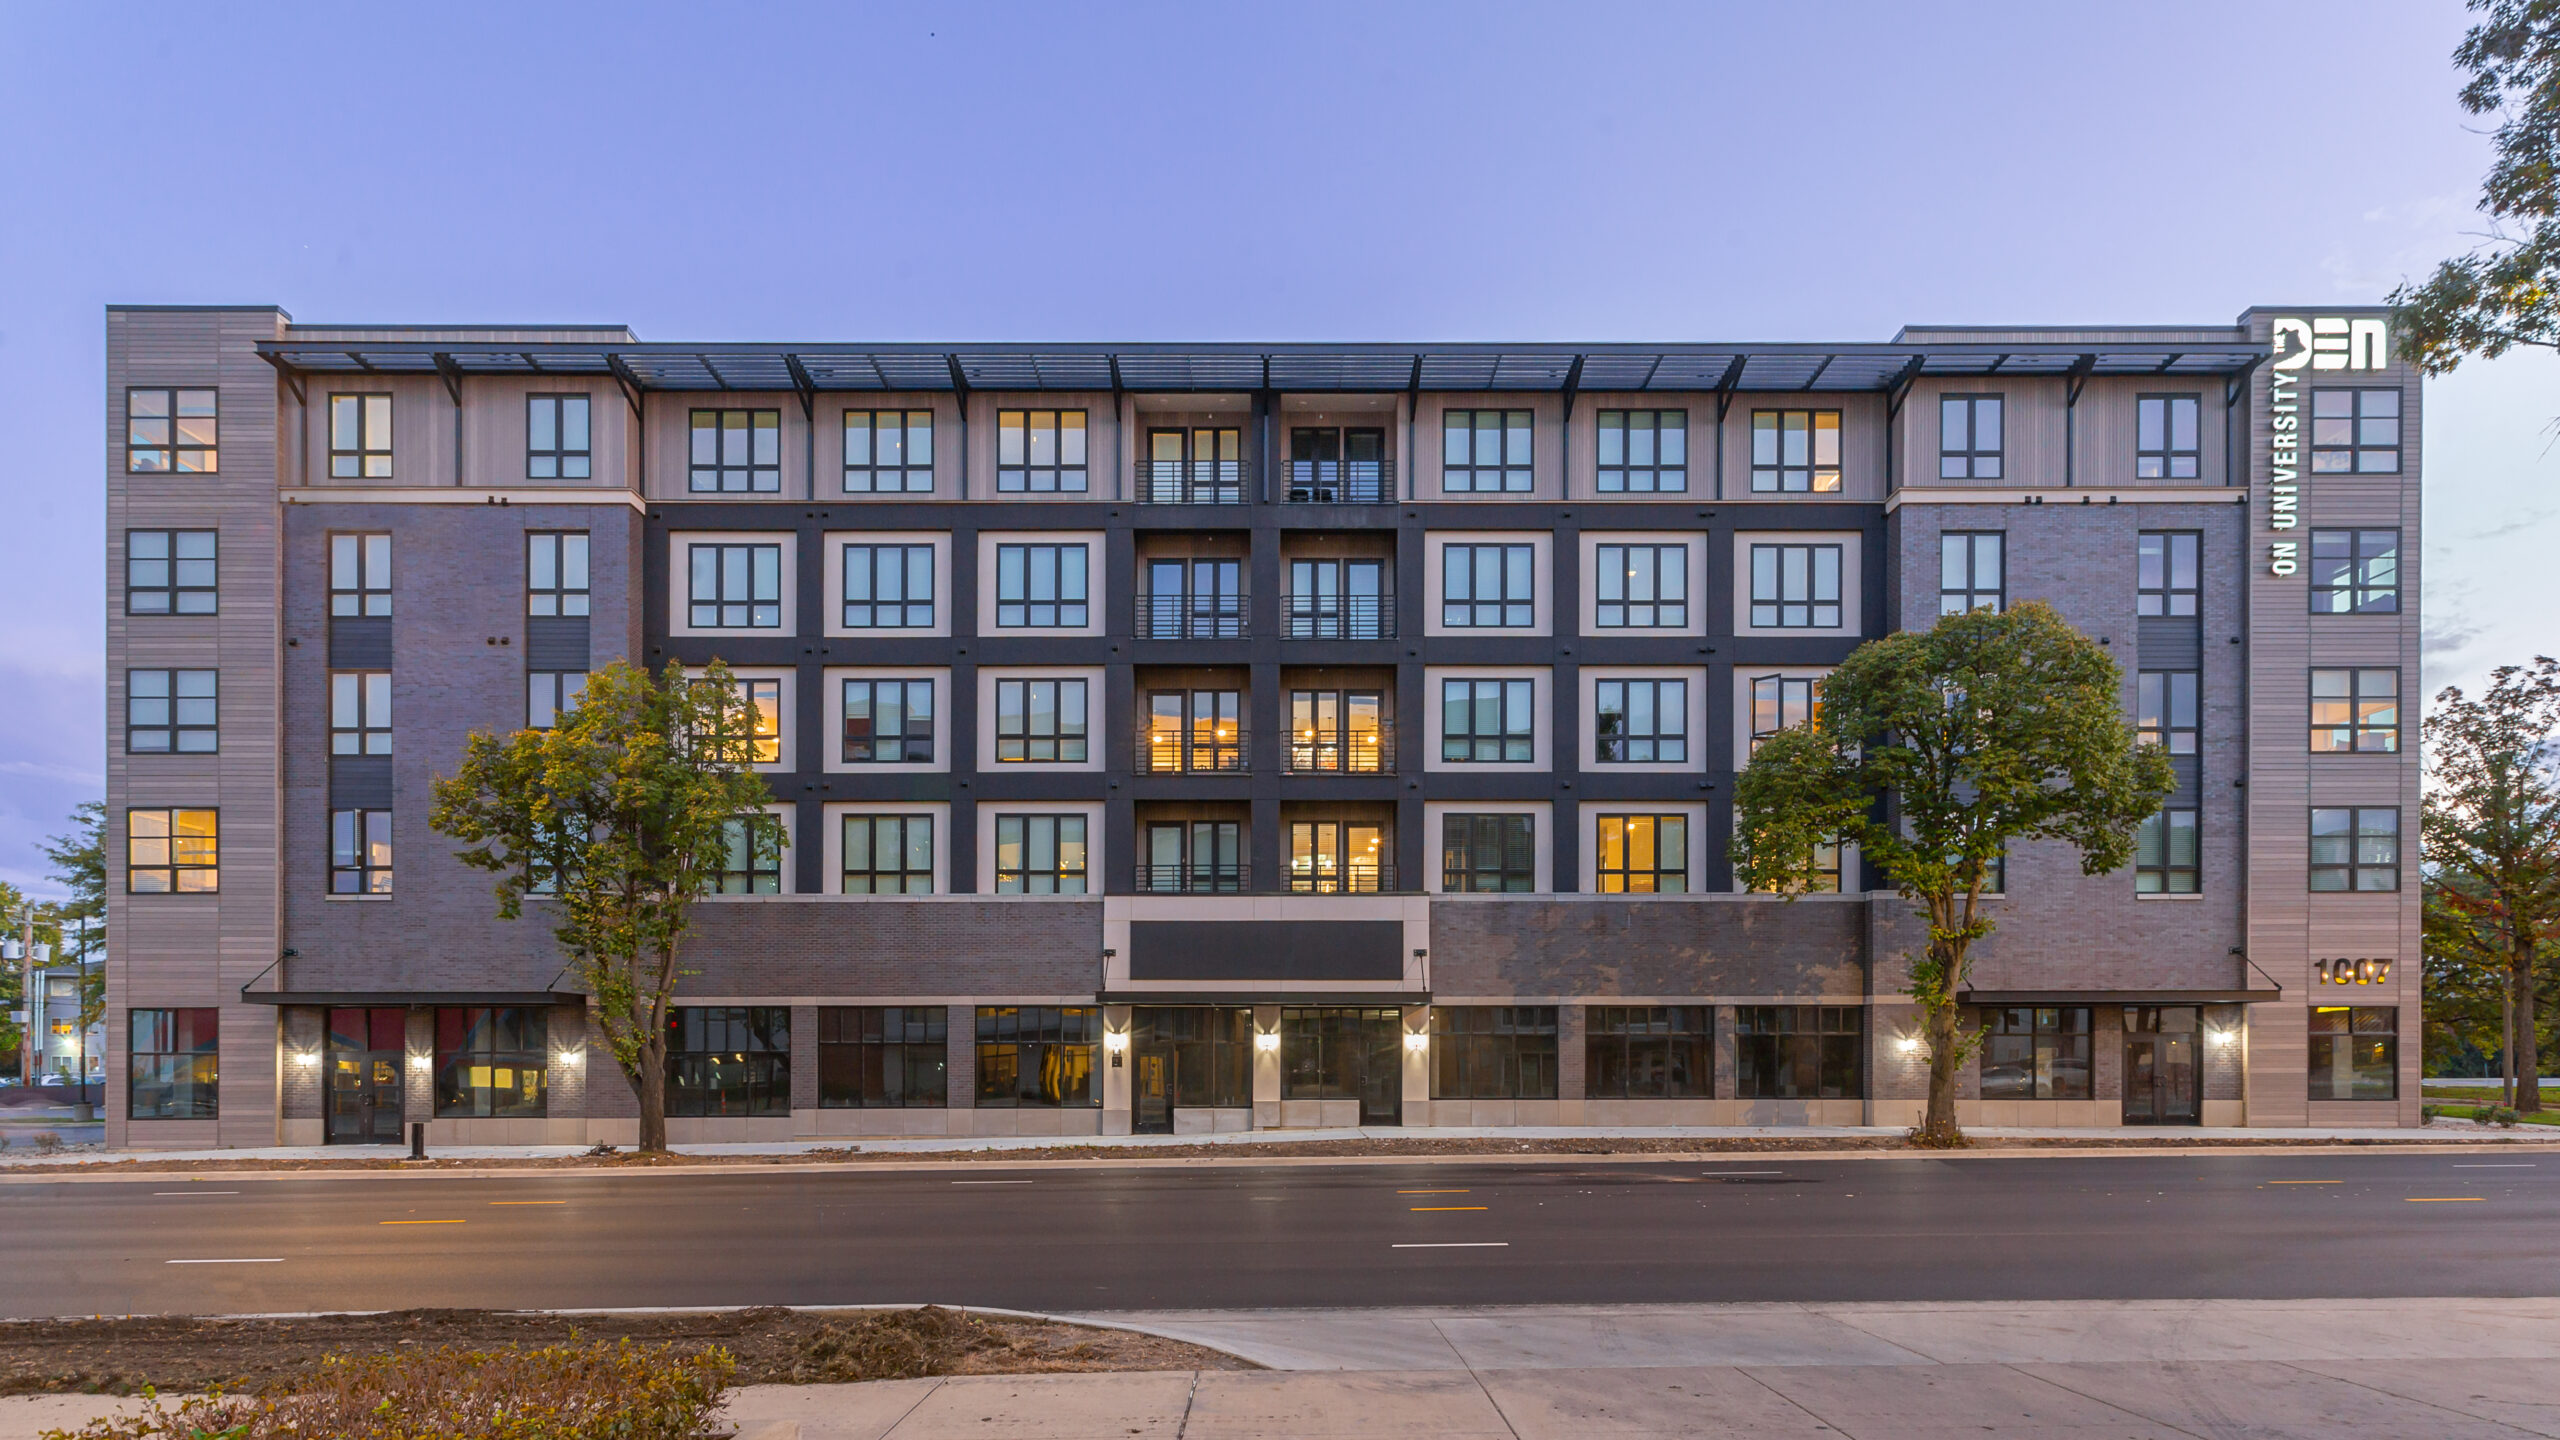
point(1400, 171)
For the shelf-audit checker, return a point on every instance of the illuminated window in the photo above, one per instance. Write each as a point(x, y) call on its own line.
point(1642, 854)
point(492, 1060)
point(2356, 849)
point(359, 852)
point(171, 430)
point(2355, 711)
point(172, 852)
point(1040, 452)
point(1795, 452)
point(2165, 710)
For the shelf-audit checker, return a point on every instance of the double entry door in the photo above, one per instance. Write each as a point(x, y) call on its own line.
point(2160, 1078)
point(366, 1049)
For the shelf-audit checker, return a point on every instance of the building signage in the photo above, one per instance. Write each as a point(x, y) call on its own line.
point(2328, 342)
point(2353, 972)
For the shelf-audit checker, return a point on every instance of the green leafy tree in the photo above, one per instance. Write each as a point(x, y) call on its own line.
point(616, 821)
point(79, 861)
point(1934, 752)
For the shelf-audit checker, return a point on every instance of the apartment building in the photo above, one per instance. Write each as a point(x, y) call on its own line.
point(1197, 738)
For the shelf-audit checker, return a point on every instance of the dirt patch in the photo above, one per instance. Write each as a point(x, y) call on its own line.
point(772, 1345)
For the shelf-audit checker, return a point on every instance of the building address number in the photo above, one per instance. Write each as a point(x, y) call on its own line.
point(2353, 972)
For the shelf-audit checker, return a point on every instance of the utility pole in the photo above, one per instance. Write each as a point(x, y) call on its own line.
point(26, 995)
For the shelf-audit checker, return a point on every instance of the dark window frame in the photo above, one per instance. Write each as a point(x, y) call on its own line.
point(182, 717)
point(1208, 857)
point(560, 460)
point(354, 451)
point(906, 470)
point(1186, 477)
point(1664, 742)
point(2355, 728)
point(2045, 1076)
point(183, 577)
point(912, 744)
point(1196, 743)
point(1971, 593)
point(764, 734)
point(1068, 606)
point(1619, 476)
point(1066, 744)
point(2352, 871)
point(178, 448)
point(1621, 611)
point(478, 1047)
point(360, 712)
point(2162, 558)
point(1777, 1047)
point(1326, 735)
point(1972, 460)
point(1493, 1052)
point(870, 609)
point(2355, 449)
point(909, 833)
point(360, 852)
point(1783, 694)
point(558, 578)
point(1503, 468)
point(1018, 472)
point(2352, 590)
point(1626, 877)
point(180, 858)
point(1025, 878)
point(1507, 839)
point(549, 694)
point(1775, 472)
point(2169, 713)
point(884, 1057)
point(733, 560)
point(2159, 867)
point(359, 574)
point(748, 864)
point(1513, 735)
point(1462, 608)
point(1344, 868)
point(2358, 1027)
point(176, 1052)
point(1648, 1052)
point(1774, 608)
point(2168, 460)
point(1069, 1035)
point(712, 474)
point(756, 1041)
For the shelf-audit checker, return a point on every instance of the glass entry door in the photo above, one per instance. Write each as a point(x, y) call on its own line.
point(1151, 1091)
point(2160, 1080)
point(364, 1065)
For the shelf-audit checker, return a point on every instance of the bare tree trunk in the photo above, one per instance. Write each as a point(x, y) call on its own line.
point(2528, 1047)
point(652, 1086)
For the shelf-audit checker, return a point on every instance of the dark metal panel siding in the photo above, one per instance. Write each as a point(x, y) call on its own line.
point(360, 642)
point(1266, 950)
point(1600, 947)
point(555, 642)
point(360, 782)
point(2170, 642)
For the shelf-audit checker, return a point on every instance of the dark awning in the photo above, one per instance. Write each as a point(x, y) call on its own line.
point(1238, 1000)
point(2115, 997)
point(411, 997)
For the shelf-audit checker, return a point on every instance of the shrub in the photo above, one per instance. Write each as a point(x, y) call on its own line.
point(46, 1142)
point(894, 1345)
point(560, 1392)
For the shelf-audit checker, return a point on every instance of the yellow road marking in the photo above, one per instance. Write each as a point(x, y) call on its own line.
point(523, 1202)
point(2306, 1182)
point(1435, 1192)
point(2444, 1199)
point(1420, 1208)
point(422, 1222)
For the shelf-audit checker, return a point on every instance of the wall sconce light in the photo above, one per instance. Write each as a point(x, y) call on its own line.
point(2224, 1039)
point(1115, 1041)
point(1266, 1041)
point(1417, 1041)
point(420, 1062)
point(306, 1058)
point(1908, 1044)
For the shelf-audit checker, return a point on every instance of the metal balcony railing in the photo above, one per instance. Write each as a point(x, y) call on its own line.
point(1190, 879)
point(1197, 615)
point(1193, 482)
point(1341, 482)
point(1331, 753)
point(1204, 750)
point(1318, 616)
point(1364, 878)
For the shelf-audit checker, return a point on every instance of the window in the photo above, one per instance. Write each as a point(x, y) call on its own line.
point(2355, 431)
point(1970, 570)
point(550, 694)
point(1339, 467)
point(1040, 452)
point(491, 1061)
point(556, 573)
point(1640, 722)
point(2356, 849)
point(1796, 452)
point(171, 430)
point(728, 1061)
point(171, 712)
point(1797, 1052)
point(360, 712)
point(1041, 587)
point(750, 855)
point(888, 855)
point(737, 452)
point(1040, 855)
point(1486, 586)
point(1331, 857)
point(2164, 710)
point(1211, 1059)
point(1493, 1052)
point(1642, 587)
point(1193, 856)
point(1795, 587)
point(359, 575)
point(1341, 1053)
point(2355, 572)
point(888, 452)
point(2031, 1053)
point(1484, 451)
point(1825, 879)
point(736, 587)
point(1969, 437)
point(1193, 730)
point(1037, 1056)
point(1488, 854)
point(1040, 721)
point(1646, 1052)
point(884, 1057)
point(169, 572)
point(1779, 702)
point(1194, 467)
point(556, 445)
point(764, 699)
point(1487, 721)
point(172, 852)
point(2355, 710)
point(359, 852)
point(1644, 452)
point(2165, 445)
point(1643, 854)
point(1340, 600)
point(2355, 1052)
point(1338, 730)
point(888, 587)
point(360, 437)
point(2165, 851)
point(173, 1063)
point(1192, 599)
point(2166, 578)
point(888, 722)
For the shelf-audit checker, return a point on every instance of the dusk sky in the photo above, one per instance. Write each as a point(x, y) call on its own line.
point(1396, 171)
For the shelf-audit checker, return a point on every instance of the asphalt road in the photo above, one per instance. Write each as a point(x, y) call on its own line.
point(2238, 1226)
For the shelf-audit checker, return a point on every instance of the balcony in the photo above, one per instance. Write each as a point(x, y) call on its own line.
point(1192, 615)
point(1326, 615)
point(1192, 482)
point(1198, 750)
point(1326, 752)
point(1189, 879)
point(1360, 877)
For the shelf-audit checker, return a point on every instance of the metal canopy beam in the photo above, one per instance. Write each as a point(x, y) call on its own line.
point(1726, 386)
point(452, 374)
point(807, 387)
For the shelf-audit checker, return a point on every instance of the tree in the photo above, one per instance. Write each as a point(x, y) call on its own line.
point(2489, 835)
point(1934, 752)
point(617, 820)
point(2506, 291)
point(79, 862)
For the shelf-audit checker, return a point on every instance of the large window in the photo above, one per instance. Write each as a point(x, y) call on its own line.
point(1333, 857)
point(735, 587)
point(1202, 466)
point(1040, 854)
point(888, 587)
point(751, 855)
point(1040, 720)
point(1795, 587)
point(1338, 730)
point(1644, 452)
point(888, 855)
point(2355, 572)
point(1797, 1052)
point(2031, 1053)
point(888, 452)
point(1493, 1052)
point(2356, 848)
point(884, 1057)
point(1340, 600)
point(1646, 1052)
point(1487, 587)
point(172, 712)
point(2166, 578)
point(1780, 702)
point(1211, 1052)
point(1795, 452)
point(360, 437)
point(556, 438)
point(1488, 854)
point(1041, 587)
point(360, 712)
point(1192, 599)
point(1040, 452)
point(1640, 587)
point(171, 430)
point(728, 1061)
point(888, 722)
point(1971, 572)
point(763, 702)
point(1642, 854)
point(1199, 730)
point(1969, 437)
point(169, 572)
point(2355, 431)
point(2166, 853)
point(360, 575)
point(556, 573)
point(172, 1064)
point(2165, 710)
point(1193, 856)
point(1329, 466)
point(1037, 1056)
point(492, 1060)
point(172, 852)
point(2166, 444)
point(2355, 710)
point(1487, 721)
point(2355, 1052)
point(550, 694)
point(1640, 722)
point(359, 852)
point(736, 452)
point(1484, 451)
point(1340, 1053)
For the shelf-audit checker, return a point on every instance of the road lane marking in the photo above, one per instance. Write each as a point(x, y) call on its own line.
point(422, 1222)
point(195, 1192)
point(1451, 1245)
point(1418, 1209)
point(1742, 1172)
point(520, 1202)
point(2306, 1182)
point(1435, 1192)
point(260, 1260)
point(990, 1182)
point(2444, 1199)
point(2501, 1165)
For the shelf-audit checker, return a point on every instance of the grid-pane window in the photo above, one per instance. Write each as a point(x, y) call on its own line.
point(1969, 437)
point(360, 575)
point(1647, 1052)
point(1040, 854)
point(360, 712)
point(2166, 437)
point(1041, 720)
point(1203, 466)
point(171, 1064)
point(1493, 1052)
point(1795, 587)
point(557, 441)
point(2036, 1053)
point(1971, 571)
point(1038, 1056)
point(734, 587)
point(1644, 452)
point(884, 1057)
point(1339, 600)
point(1338, 730)
point(1040, 452)
point(2355, 1052)
point(1198, 856)
point(1194, 730)
point(1486, 586)
point(171, 712)
point(762, 700)
point(2165, 711)
point(888, 452)
point(2355, 431)
point(1797, 1052)
point(2355, 572)
point(1641, 587)
point(1341, 1053)
point(888, 722)
point(360, 437)
point(1196, 598)
point(359, 852)
point(1488, 854)
point(1640, 722)
point(2166, 578)
point(172, 852)
point(492, 1060)
point(1209, 1050)
point(1332, 857)
point(888, 587)
point(750, 855)
point(736, 452)
point(2165, 853)
point(1795, 452)
point(1484, 451)
point(550, 694)
point(888, 855)
point(728, 1061)
point(1781, 701)
point(172, 431)
point(169, 572)
point(555, 573)
point(1041, 587)
point(2355, 710)
point(1642, 854)
point(1487, 721)
point(2356, 848)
